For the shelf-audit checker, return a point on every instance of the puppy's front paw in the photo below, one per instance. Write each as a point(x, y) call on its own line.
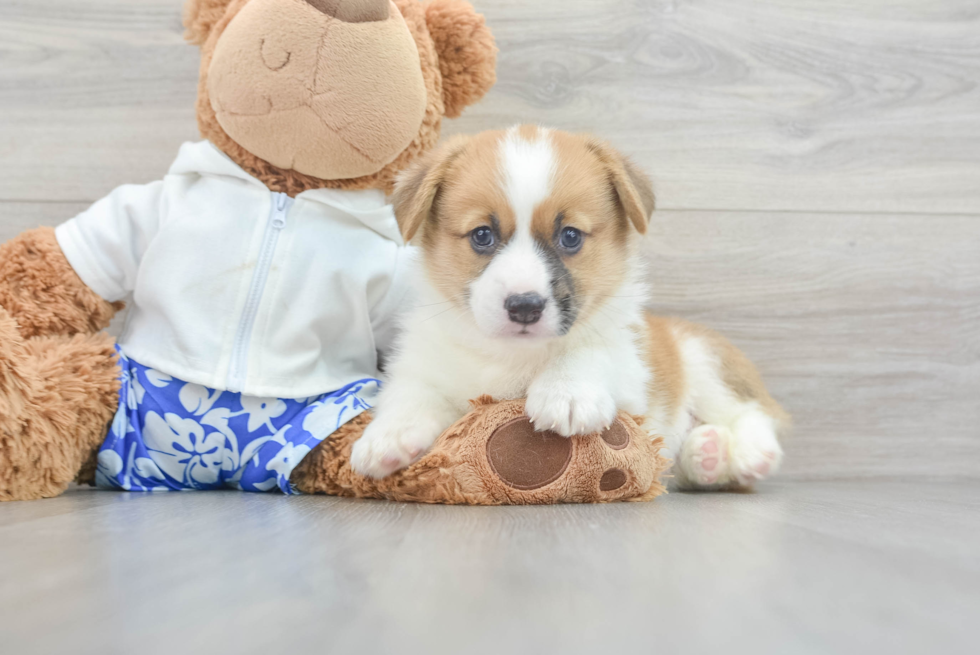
point(387, 446)
point(570, 408)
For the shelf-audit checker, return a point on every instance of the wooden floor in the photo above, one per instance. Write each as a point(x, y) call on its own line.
point(817, 165)
point(799, 567)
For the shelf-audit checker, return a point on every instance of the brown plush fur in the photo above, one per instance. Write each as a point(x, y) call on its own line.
point(457, 470)
point(200, 20)
point(200, 17)
point(467, 54)
point(39, 287)
point(57, 395)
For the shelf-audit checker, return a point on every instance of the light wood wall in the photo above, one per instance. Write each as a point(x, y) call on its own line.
point(817, 165)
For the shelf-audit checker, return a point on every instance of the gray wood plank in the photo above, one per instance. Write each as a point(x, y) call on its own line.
point(790, 104)
point(804, 567)
point(93, 94)
point(15, 217)
point(864, 326)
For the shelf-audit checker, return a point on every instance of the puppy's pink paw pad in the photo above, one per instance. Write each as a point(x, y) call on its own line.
point(705, 458)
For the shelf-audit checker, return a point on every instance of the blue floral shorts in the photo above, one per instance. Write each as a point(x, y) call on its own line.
point(174, 435)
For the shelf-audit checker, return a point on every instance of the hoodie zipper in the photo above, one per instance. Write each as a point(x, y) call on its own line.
point(239, 354)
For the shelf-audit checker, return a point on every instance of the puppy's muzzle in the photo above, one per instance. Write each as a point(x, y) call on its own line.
point(525, 308)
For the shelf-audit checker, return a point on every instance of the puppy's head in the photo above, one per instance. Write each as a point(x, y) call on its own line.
point(529, 229)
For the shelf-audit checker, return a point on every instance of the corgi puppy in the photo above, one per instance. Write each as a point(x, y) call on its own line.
point(532, 287)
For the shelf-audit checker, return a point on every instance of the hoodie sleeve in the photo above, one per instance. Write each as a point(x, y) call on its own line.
point(387, 313)
point(105, 243)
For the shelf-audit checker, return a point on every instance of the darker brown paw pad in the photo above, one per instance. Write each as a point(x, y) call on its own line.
point(526, 459)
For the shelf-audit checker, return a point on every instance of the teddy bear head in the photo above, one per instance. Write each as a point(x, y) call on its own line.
point(338, 94)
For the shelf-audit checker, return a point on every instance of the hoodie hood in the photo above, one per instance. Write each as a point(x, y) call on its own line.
point(369, 206)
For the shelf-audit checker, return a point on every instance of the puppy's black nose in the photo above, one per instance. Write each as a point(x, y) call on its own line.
point(525, 308)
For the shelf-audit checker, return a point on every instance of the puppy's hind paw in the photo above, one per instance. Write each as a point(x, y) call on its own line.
point(751, 462)
point(704, 458)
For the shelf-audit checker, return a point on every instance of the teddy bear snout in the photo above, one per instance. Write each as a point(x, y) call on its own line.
point(353, 11)
point(311, 91)
point(274, 56)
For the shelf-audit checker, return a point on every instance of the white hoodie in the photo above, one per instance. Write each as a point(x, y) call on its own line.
point(237, 288)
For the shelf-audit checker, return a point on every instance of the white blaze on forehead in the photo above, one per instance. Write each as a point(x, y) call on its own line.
point(527, 168)
point(528, 171)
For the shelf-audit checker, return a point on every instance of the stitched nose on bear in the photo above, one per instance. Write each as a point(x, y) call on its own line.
point(353, 11)
point(328, 88)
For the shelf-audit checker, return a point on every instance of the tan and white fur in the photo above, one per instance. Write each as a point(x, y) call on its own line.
point(532, 286)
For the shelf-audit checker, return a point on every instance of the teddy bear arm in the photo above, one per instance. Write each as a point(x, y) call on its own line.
point(494, 456)
point(57, 397)
point(42, 292)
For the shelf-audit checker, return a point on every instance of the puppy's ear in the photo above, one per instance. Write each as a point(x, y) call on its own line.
point(417, 188)
point(200, 16)
point(632, 187)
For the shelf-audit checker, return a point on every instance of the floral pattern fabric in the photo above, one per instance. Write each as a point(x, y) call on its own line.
point(173, 435)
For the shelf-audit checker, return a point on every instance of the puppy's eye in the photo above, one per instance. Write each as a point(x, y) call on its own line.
point(570, 240)
point(482, 239)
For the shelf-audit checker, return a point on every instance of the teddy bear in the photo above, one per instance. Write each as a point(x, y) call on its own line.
point(265, 273)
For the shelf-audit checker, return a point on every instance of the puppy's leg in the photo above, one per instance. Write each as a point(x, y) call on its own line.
point(737, 442)
point(581, 391)
point(408, 419)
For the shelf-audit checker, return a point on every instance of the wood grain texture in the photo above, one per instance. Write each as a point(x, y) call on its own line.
point(93, 94)
point(15, 217)
point(805, 567)
point(731, 104)
point(778, 104)
point(864, 326)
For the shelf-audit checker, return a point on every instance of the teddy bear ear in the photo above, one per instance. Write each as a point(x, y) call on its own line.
point(200, 16)
point(467, 54)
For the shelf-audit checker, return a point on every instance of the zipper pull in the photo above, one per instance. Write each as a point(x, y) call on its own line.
point(279, 221)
